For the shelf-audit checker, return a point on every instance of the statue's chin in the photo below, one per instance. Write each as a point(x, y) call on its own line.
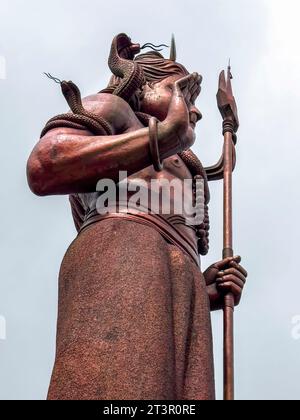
point(190, 136)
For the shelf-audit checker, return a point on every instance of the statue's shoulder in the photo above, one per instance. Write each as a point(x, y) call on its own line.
point(105, 102)
point(114, 110)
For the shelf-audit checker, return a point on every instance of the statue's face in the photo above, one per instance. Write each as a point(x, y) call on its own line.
point(156, 100)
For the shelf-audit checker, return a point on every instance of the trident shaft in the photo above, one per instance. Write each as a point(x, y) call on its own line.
point(228, 109)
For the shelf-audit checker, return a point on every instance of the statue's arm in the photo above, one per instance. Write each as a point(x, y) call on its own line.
point(67, 161)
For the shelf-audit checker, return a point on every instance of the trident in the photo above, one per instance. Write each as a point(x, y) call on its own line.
point(223, 170)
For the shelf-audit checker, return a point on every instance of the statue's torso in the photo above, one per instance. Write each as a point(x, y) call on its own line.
point(165, 217)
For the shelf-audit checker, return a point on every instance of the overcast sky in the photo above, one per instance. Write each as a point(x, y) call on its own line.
point(71, 39)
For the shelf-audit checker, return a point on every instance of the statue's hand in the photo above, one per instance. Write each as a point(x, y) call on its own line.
point(177, 124)
point(226, 276)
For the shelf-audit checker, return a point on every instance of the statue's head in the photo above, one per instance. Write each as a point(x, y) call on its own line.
point(145, 80)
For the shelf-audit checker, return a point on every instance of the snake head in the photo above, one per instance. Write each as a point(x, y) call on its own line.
point(121, 63)
point(226, 101)
point(125, 48)
point(72, 95)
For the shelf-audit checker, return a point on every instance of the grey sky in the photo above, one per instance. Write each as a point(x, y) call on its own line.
point(71, 39)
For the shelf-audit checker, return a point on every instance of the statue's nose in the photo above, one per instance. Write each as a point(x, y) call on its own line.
point(195, 114)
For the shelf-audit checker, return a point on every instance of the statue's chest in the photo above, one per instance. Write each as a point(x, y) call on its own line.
point(174, 168)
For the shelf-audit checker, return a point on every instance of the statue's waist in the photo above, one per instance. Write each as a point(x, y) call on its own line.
point(172, 228)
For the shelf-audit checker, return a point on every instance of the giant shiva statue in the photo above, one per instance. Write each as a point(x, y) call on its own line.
point(134, 304)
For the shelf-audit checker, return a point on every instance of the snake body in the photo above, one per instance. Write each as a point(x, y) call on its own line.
point(80, 118)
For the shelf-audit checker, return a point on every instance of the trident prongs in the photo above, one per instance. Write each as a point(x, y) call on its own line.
point(226, 100)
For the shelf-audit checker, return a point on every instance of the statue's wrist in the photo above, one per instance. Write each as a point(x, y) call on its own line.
point(169, 142)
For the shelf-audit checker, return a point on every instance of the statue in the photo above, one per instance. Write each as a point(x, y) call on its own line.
point(134, 306)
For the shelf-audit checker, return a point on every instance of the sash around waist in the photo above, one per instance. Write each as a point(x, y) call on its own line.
point(170, 232)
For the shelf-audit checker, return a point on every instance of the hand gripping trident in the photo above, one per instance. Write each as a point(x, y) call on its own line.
point(228, 109)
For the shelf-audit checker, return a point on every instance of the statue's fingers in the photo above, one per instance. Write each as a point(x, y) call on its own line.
point(184, 81)
point(239, 268)
point(192, 81)
point(196, 94)
point(224, 263)
point(230, 287)
point(199, 78)
point(230, 279)
point(236, 273)
point(187, 96)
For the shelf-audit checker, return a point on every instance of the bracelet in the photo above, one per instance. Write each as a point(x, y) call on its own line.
point(153, 143)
